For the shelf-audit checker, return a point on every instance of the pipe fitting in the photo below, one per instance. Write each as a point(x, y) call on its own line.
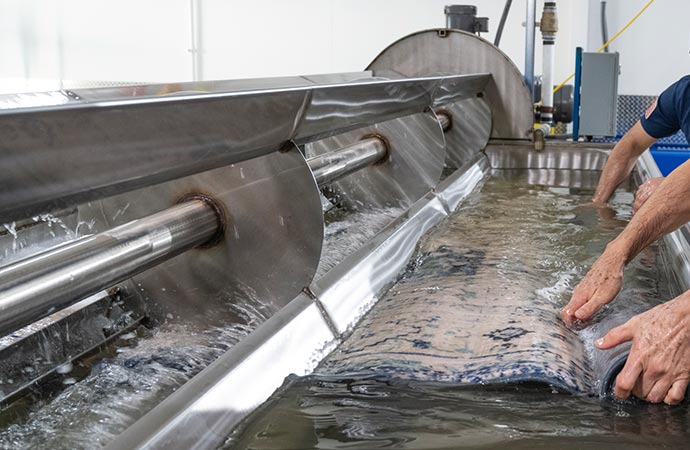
point(219, 211)
point(549, 21)
point(444, 119)
point(386, 143)
point(539, 136)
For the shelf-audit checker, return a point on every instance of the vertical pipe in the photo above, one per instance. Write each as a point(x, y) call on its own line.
point(549, 28)
point(530, 20)
point(604, 27)
point(61, 44)
point(576, 99)
point(195, 38)
point(502, 23)
point(547, 83)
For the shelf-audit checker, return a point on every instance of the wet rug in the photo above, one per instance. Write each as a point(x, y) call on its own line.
point(481, 302)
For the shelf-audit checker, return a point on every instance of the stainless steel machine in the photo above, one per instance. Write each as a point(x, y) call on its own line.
point(179, 203)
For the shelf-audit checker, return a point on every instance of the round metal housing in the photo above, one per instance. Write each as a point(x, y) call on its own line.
point(273, 231)
point(443, 51)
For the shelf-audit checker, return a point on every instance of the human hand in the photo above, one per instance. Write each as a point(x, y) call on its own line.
point(645, 191)
point(658, 367)
point(601, 285)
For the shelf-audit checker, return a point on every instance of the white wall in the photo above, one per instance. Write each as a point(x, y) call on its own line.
point(134, 40)
point(126, 40)
point(150, 40)
point(654, 50)
point(274, 37)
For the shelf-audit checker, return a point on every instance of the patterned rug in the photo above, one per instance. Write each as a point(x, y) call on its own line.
point(481, 302)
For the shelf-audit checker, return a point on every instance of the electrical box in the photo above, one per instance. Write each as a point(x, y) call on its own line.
point(599, 94)
point(464, 17)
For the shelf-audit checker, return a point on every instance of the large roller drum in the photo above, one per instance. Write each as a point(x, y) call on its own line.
point(503, 112)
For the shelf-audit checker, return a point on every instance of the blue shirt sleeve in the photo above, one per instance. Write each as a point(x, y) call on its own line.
point(663, 118)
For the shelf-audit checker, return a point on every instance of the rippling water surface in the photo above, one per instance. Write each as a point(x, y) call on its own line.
point(318, 413)
point(511, 254)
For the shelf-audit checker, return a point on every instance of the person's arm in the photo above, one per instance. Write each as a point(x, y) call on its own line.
point(667, 209)
point(621, 161)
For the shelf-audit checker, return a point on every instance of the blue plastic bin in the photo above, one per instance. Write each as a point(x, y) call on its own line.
point(668, 158)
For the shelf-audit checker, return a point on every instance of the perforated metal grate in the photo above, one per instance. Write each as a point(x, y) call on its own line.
point(629, 109)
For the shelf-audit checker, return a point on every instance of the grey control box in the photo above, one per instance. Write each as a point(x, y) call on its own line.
point(599, 94)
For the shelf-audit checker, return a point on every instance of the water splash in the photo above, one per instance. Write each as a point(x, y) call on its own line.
point(142, 370)
point(31, 236)
point(345, 233)
point(12, 230)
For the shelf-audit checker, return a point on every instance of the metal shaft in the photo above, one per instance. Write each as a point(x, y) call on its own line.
point(333, 166)
point(531, 17)
point(41, 284)
point(37, 286)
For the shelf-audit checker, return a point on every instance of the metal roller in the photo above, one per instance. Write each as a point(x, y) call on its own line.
point(32, 288)
point(333, 166)
point(416, 154)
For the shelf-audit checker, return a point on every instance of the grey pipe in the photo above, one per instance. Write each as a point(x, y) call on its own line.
point(41, 284)
point(335, 165)
point(530, 22)
point(604, 26)
point(502, 23)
